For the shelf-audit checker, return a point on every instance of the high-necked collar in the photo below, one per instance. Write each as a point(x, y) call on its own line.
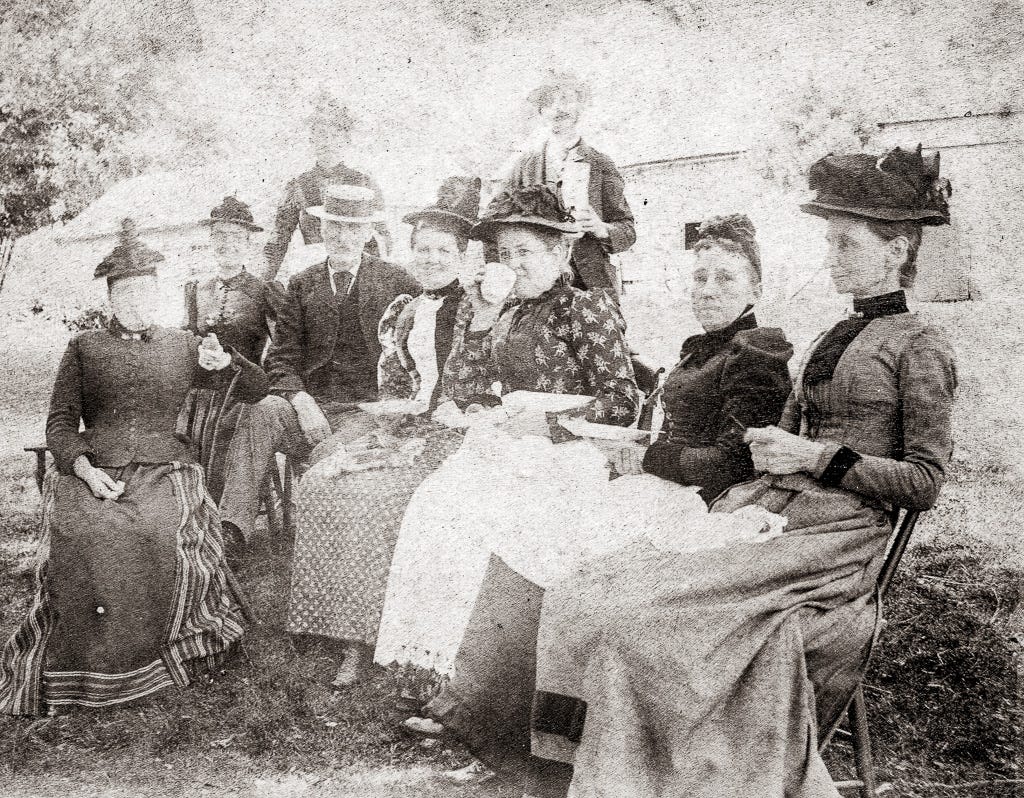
point(451, 289)
point(118, 330)
point(882, 305)
point(234, 280)
point(699, 348)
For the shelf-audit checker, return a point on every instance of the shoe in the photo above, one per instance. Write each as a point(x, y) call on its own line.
point(354, 667)
point(476, 772)
point(425, 726)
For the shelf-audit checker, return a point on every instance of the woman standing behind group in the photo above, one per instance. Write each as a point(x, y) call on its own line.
point(710, 674)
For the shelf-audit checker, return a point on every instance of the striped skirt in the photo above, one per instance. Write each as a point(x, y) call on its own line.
point(131, 593)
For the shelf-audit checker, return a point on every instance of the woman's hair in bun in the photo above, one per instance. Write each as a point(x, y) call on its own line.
point(733, 233)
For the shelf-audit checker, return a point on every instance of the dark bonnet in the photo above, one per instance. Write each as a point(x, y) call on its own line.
point(737, 232)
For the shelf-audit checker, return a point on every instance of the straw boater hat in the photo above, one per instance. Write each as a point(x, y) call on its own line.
point(233, 211)
point(458, 204)
point(900, 186)
point(535, 205)
point(345, 203)
point(130, 258)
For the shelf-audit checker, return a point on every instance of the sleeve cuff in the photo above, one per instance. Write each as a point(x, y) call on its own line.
point(662, 460)
point(842, 461)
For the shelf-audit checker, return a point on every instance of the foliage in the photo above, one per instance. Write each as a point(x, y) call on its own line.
point(66, 102)
point(807, 124)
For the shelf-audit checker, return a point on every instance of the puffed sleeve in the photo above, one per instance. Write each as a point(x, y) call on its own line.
point(469, 370)
point(393, 379)
point(598, 337)
point(926, 381)
point(754, 386)
point(62, 436)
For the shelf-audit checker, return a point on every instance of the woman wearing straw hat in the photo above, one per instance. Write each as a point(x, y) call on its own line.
point(239, 308)
point(350, 521)
point(713, 673)
point(133, 593)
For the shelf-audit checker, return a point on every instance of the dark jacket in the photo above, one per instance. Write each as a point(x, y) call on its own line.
point(307, 325)
point(590, 255)
point(724, 381)
point(250, 307)
point(129, 394)
point(306, 191)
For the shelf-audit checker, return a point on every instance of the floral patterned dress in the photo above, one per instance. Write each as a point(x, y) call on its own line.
point(564, 341)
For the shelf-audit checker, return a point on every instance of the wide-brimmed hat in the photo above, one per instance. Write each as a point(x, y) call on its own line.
point(130, 258)
point(557, 79)
point(900, 186)
point(458, 204)
point(345, 203)
point(233, 211)
point(534, 205)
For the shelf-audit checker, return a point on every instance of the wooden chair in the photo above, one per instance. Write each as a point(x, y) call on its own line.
point(200, 420)
point(856, 731)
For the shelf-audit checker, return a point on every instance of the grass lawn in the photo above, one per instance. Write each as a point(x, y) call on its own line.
point(942, 694)
point(943, 691)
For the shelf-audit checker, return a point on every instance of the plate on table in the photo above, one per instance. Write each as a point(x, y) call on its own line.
point(605, 432)
point(394, 407)
point(545, 402)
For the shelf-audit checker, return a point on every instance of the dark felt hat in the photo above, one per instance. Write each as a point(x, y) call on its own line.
point(347, 203)
point(458, 204)
point(234, 211)
point(534, 205)
point(900, 186)
point(130, 258)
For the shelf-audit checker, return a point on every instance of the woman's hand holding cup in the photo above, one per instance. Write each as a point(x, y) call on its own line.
point(487, 291)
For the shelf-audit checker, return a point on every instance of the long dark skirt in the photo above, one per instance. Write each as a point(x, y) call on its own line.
point(130, 593)
point(486, 704)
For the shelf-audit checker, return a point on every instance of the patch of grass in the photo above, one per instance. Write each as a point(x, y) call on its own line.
point(942, 695)
point(942, 689)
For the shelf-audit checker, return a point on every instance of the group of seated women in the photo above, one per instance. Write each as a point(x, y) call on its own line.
point(590, 600)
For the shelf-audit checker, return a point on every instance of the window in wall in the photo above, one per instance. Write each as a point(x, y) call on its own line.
point(690, 234)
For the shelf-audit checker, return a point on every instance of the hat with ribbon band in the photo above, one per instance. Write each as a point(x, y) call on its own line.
point(350, 204)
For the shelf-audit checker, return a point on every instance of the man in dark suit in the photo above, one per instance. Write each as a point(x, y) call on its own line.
point(323, 358)
point(601, 210)
point(330, 135)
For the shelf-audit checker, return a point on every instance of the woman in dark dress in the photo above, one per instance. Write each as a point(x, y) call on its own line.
point(711, 673)
point(237, 307)
point(734, 373)
point(132, 592)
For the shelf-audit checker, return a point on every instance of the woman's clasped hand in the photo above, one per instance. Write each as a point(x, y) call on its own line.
point(775, 451)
